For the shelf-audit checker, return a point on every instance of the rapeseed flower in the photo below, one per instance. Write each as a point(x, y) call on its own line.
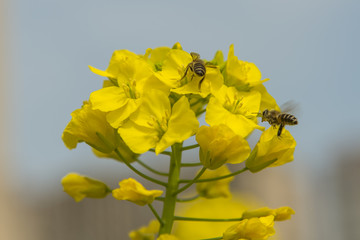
point(173, 70)
point(131, 190)
point(271, 150)
point(237, 110)
point(79, 187)
point(246, 76)
point(159, 125)
point(90, 126)
point(219, 145)
point(133, 76)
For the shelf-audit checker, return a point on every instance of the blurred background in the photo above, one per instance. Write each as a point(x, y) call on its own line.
point(309, 49)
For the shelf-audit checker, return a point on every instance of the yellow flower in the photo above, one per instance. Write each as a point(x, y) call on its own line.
point(173, 67)
point(134, 75)
point(240, 73)
point(219, 145)
point(173, 70)
point(133, 191)
point(147, 232)
point(271, 150)
point(283, 213)
point(280, 214)
point(79, 187)
point(167, 237)
point(156, 57)
point(114, 66)
point(158, 125)
point(90, 126)
point(246, 76)
point(215, 189)
point(251, 229)
point(237, 110)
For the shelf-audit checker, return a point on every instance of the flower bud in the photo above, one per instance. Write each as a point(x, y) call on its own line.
point(79, 187)
point(133, 191)
point(219, 145)
point(280, 214)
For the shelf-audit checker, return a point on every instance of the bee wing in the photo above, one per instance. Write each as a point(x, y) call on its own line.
point(290, 107)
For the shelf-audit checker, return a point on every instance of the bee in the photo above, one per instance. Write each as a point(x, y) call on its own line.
point(276, 118)
point(197, 67)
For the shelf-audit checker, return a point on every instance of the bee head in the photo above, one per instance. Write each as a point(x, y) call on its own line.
point(264, 115)
point(195, 55)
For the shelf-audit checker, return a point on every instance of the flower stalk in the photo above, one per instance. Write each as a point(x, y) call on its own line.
point(171, 188)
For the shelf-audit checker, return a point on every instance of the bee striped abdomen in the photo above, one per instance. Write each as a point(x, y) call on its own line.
point(288, 119)
point(199, 69)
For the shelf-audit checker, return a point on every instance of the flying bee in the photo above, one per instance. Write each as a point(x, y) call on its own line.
point(197, 67)
point(276, 118)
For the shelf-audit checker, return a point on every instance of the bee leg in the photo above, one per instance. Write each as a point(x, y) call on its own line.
point(200, 82)
point(186, 70)
point(280, 129)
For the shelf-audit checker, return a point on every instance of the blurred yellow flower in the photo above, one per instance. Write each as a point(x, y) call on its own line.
point(237, 110)
point(131, 190)
point(283, 213)
point(280, 214)
point(210, 208)
point(251, 229)
point(79, 187)
point(219, 145)
point(147, 232)
point(158, 125)
point(90, 126)
point(271, 150)
point(167, 237)
point(215, 189)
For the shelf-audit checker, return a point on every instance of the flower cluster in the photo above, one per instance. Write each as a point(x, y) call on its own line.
point(152, 102)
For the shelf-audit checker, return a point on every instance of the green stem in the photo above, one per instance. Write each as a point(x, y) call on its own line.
point(162, 199)
point(172, 186)
point(177, 218)
point(190, 147)
point(216, 178)
point(164, 152)
point(156, 214)
point(151, 169)
point(191, 164)
point(138, 172)
point(200, 112)
point(196, 102)
point(191, 182)
point(187, 199)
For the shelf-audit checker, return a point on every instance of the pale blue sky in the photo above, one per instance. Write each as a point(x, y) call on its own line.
point(309, 49)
